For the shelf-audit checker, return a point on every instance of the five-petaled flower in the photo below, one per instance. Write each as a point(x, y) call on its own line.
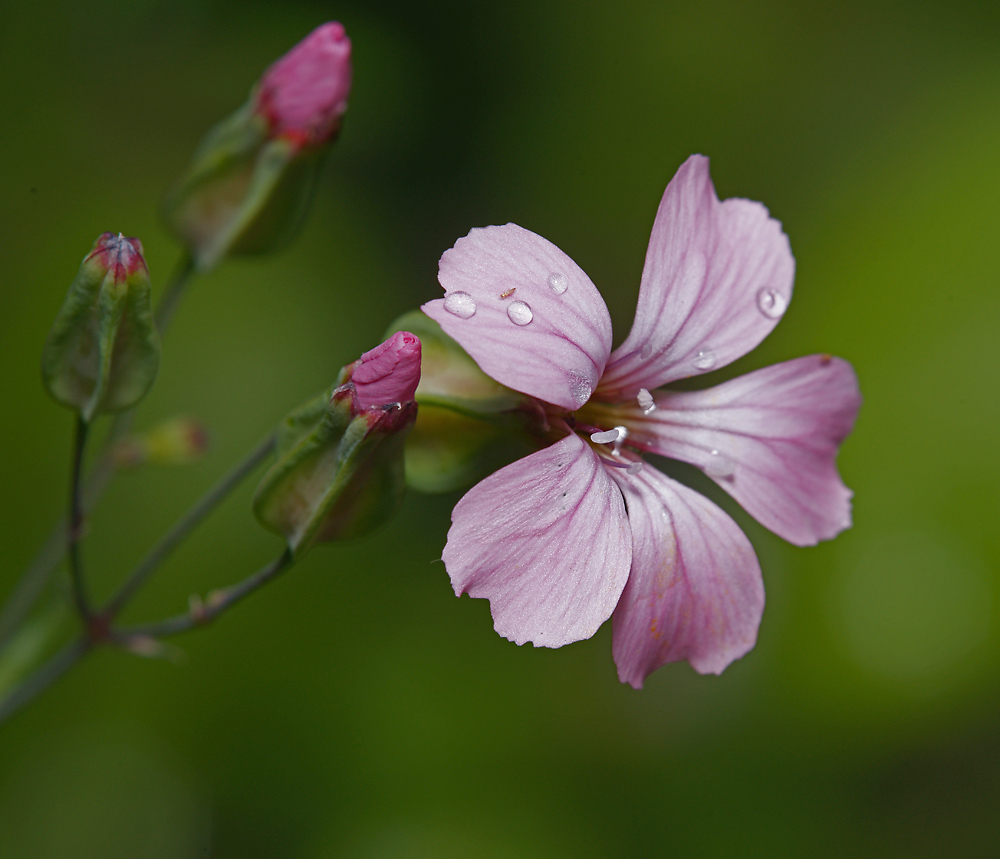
point(580, 529)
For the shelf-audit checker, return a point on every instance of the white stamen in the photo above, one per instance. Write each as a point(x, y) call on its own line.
point(622, 435)
point(634, 468)
point(605, 437)
point(646, 401)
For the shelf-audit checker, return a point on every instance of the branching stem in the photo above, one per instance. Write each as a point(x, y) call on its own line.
point(201, 613)
point(185, 525)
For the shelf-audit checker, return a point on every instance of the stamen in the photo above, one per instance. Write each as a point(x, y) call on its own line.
point(646, 401)
point(622, 435)
point(633, 467)
point(605, 437)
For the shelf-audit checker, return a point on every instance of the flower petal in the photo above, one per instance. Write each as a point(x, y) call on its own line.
point(695, 590)
point(527, 314)
point(546, 541)
point(718, 277)
point(768, 438)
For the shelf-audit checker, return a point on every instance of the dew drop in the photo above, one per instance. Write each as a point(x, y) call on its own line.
point(605, 437)
point(634, 468)
point(519, 313)
point(704, 360)
point(580, 388)
point(558, 283)
point(771, 303)
point(646, 401)
point(720, 467)
point(647, 350)
point(460, 304)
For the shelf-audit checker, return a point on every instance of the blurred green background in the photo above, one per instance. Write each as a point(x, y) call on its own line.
point(356, 708)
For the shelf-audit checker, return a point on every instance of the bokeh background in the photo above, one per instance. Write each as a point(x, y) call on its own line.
point(356, 707)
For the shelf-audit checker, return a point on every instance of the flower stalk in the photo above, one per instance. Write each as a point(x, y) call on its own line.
point(74, 534)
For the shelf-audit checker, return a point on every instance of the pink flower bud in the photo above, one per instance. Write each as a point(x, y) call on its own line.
point(388, 373)
point(303, 95)
point(117, 257)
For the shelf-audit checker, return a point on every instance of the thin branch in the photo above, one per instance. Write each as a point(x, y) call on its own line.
point(44, 677)
point(202, 613)
point(74, 534)
point(185, 525)
point(172, 294)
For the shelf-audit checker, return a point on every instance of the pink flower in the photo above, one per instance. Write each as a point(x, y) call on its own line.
point(583, 528)
point(389, 373)
point(304, 94)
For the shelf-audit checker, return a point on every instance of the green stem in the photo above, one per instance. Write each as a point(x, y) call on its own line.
point(74, 533)
point(172, 294)
point(187, 523)
point(44, 677)
point(218, 602)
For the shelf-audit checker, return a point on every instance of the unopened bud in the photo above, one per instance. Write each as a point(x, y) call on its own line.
point(340, 470)
point(103, 351)
point(253, 176)
point(304, 94)
point(389, 373)
point(177, 441)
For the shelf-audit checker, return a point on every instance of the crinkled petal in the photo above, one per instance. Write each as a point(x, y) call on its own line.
point(527, 314)
point(546, 541)
point(768, 438)
point(695, 590)
point(718, 277)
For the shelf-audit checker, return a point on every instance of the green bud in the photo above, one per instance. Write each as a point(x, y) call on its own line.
point(176, 441)
point(103, 351)
point(340, 471)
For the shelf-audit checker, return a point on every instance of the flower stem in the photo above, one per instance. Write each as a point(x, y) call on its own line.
point(44, 677)
point(218, 602)
point(172, 294)
point(74, 533)
point(187, 523)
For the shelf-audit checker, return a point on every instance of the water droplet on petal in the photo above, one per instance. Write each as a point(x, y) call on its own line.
point(519, 313)
point(634, 468)
point(558, 283)
point(605, 437)
point(720, 467)
point(704, 360)
point(460, 304)
point(580, 388)
point(647, 350)
point(646, 401)
point(771, 303)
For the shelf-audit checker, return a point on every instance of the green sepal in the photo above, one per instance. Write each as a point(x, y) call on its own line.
point(244, 193)
point(448, 450)
point(339, 475)
point(103, 351)
point(469, 424)
point(306, 418)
